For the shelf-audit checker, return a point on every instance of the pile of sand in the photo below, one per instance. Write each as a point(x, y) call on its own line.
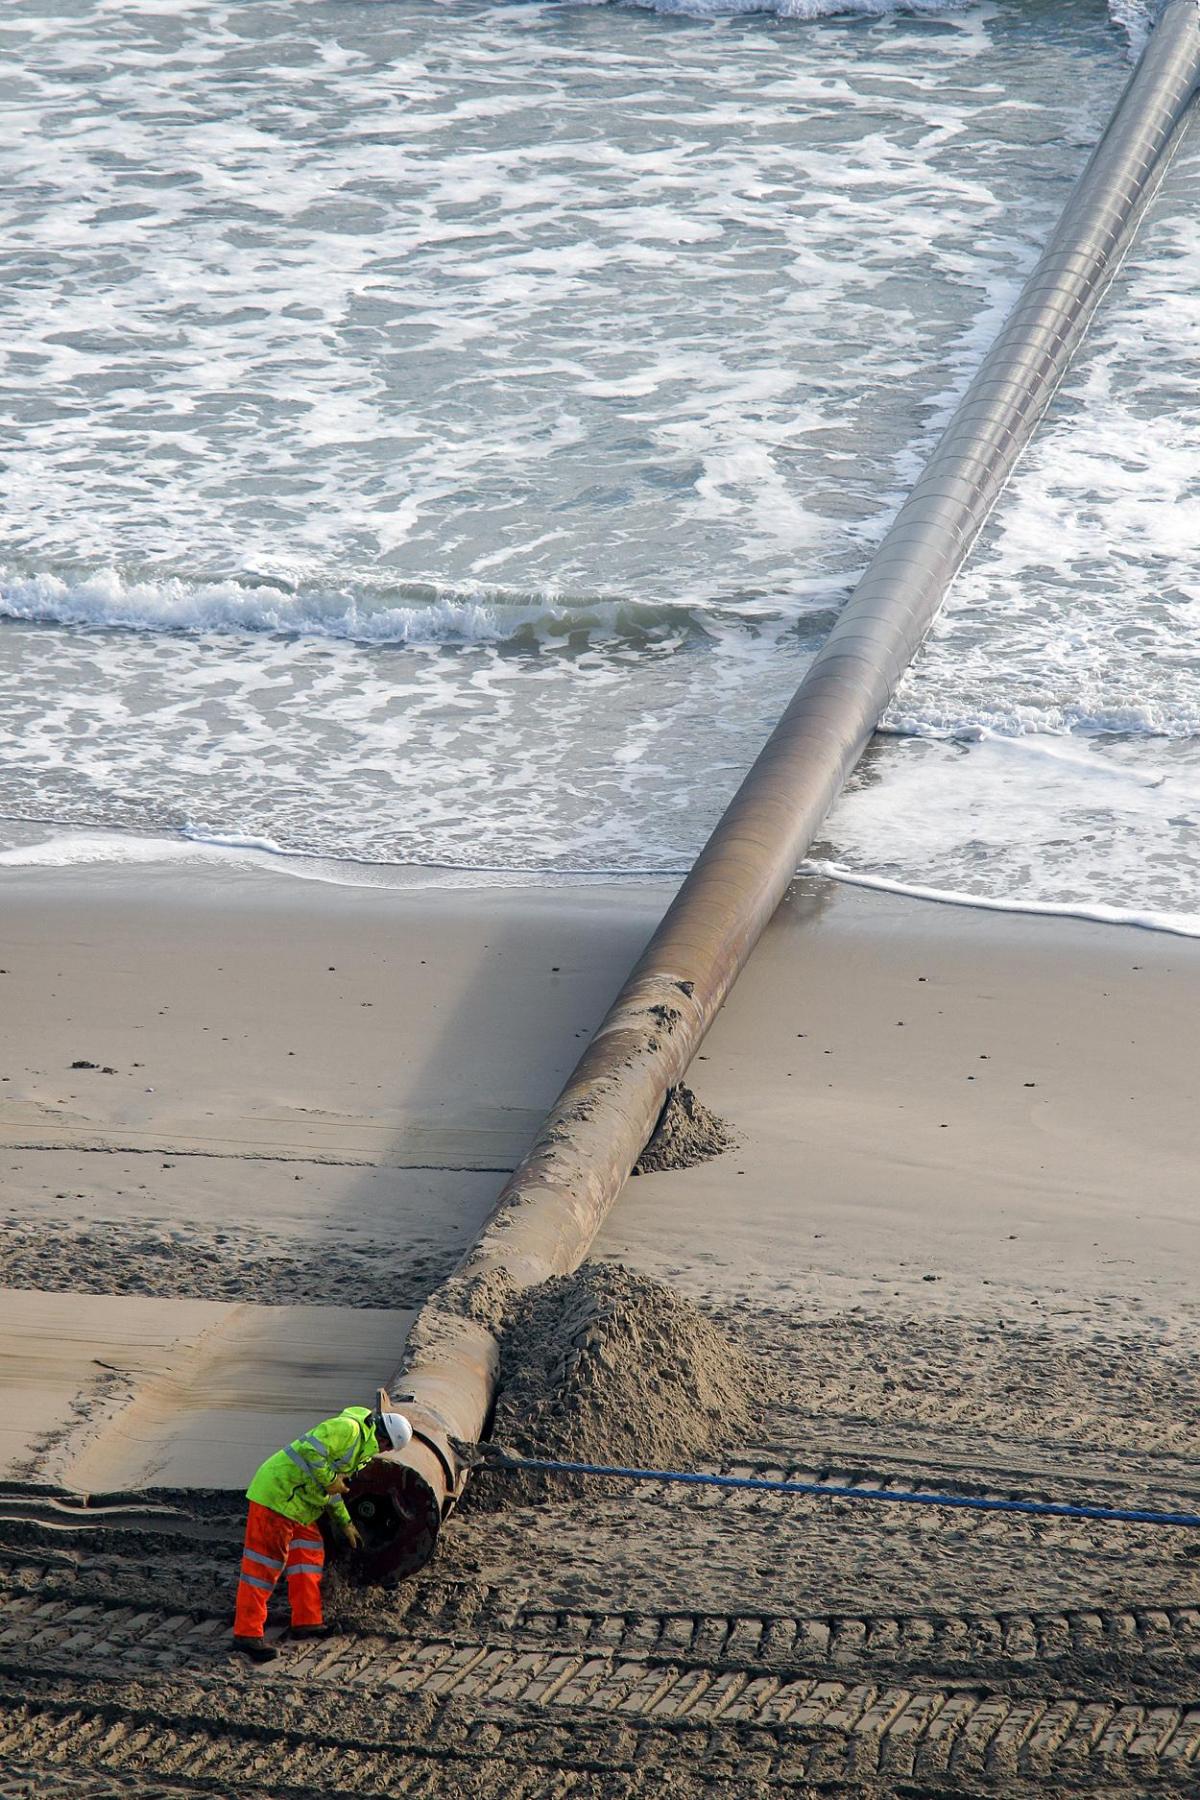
point(686, 1134)
point(604, 1366)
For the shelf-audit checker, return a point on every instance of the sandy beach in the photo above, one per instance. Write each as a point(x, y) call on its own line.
point(1001, 1102)
point(473, 470)
point(956, 1234)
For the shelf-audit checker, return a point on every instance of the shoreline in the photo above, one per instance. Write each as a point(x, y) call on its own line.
point(26, 850)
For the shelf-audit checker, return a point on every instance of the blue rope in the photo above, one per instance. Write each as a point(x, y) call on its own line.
point(1052, 1509)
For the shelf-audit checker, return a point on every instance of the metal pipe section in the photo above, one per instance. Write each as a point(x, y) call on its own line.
point(549, 1212)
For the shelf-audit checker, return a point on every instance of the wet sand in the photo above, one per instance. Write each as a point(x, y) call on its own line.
point(1005, 1104)
point(957, 1232)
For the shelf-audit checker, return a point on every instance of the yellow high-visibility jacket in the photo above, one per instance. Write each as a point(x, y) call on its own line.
point(296, 1480)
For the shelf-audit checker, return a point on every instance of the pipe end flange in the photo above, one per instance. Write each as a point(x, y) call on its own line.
point(398, 1515)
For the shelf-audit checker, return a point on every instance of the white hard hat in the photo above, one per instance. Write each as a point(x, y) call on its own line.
point(397, 1428)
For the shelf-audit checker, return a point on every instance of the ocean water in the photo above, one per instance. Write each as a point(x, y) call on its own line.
point(441, 434)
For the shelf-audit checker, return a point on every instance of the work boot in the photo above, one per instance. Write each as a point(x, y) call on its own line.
point(255, 1649)
point(314, 1631)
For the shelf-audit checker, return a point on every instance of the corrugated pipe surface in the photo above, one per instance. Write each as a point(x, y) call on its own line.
point(550, 1210)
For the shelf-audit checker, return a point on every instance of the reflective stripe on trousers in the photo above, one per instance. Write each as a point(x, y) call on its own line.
point(305, 1565)
point(273, 1544)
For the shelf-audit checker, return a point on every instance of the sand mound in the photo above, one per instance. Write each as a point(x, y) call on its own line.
point(686, 1134)
point(606, 1366)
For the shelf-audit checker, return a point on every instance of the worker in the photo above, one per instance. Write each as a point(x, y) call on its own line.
point(287, 1497)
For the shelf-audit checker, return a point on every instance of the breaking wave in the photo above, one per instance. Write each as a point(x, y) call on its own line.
point(1134, 17)
point(794, 9)
point(402, 613)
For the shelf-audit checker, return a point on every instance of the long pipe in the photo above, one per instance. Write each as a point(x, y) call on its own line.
point(550, 1210)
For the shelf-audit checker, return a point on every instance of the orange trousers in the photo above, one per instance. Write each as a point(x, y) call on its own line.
point(273, 1544)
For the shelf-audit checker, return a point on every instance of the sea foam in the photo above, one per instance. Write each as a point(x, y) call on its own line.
point(1093, 911)
point(443, 435)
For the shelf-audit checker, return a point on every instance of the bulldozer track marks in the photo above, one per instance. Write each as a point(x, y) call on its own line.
point(836, 1736)
point(49, 1615)
point(805, 1703)
point(44, 1781)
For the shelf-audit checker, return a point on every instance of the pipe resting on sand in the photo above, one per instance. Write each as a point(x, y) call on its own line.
point(550, 1210)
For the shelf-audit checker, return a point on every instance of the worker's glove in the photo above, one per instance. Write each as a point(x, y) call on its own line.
point(353, 1536)
point(337, 1487)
